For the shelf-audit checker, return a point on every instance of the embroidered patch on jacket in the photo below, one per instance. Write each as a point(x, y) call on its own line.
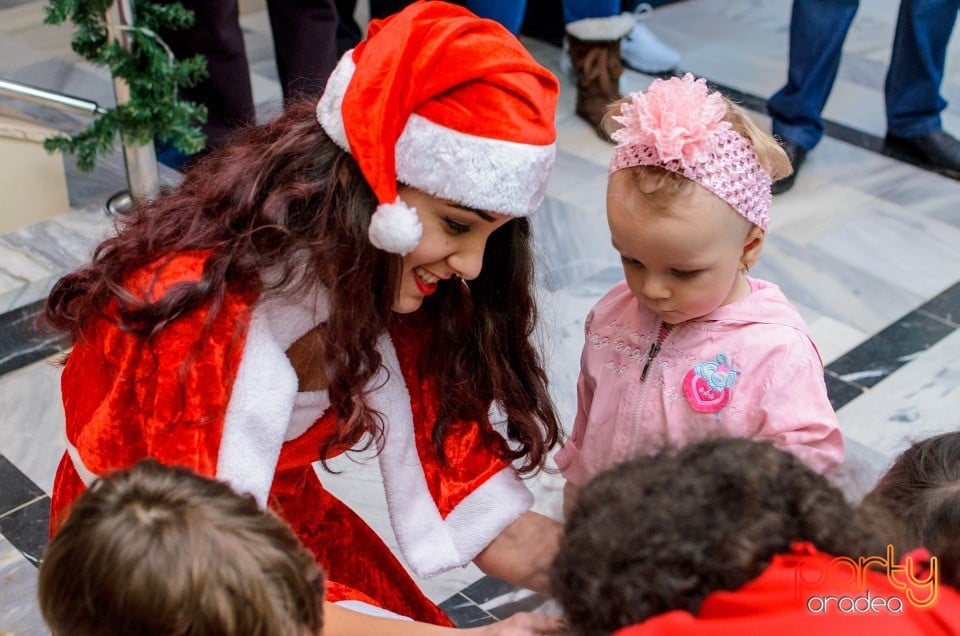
point(707, 385)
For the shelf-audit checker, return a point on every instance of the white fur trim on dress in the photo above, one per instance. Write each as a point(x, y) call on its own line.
point(260, 414)
point(395, 227)
point(86, 475)
point(479, 172)
point(431, 544)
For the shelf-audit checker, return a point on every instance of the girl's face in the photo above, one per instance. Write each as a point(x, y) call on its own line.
point(452, 244)
point(685, 261)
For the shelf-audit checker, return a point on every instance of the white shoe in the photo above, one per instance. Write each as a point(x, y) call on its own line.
point(642, 51)
point(566, 66)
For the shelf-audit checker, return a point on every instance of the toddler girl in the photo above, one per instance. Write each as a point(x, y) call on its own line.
point(689, 346)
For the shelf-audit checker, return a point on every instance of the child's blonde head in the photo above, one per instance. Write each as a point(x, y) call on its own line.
point(160, 550)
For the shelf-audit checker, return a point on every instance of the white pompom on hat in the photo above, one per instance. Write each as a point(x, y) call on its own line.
point(448, 103)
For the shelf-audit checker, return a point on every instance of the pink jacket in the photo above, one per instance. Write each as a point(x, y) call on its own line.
point(748, 369)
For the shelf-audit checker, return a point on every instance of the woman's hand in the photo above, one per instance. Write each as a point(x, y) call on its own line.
point(522, 624)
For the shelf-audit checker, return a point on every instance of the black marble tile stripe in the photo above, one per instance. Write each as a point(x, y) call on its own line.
point(21, 343)
point(24, 512)
point(465, 608)
point(873, 360)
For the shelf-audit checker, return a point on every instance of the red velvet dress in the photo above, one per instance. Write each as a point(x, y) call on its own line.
point(806, 593)
point(222, 399)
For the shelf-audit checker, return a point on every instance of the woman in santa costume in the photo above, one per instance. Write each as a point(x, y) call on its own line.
point(355, 274)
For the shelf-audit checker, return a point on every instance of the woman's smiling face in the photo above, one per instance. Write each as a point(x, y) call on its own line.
point(452, 244)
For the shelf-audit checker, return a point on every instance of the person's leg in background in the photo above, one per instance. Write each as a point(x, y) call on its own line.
point(818, 29)
point(574, 10)
point(640, 49)
point(509, 13)
point(349, 33)
point(593, 46)
point(226, 91)
point(912, 88)
point(305, 42)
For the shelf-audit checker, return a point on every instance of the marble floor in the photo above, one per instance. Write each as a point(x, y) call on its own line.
point(866, 245)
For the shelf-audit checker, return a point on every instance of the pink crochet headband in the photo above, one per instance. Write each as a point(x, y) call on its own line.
point(678, 124)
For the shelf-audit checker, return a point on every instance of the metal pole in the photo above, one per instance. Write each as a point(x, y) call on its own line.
point(44, 97)
point(143, 176)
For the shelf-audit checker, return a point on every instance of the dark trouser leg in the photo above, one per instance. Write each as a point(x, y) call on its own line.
point(226, 92)
point(348, 31)
point(305, 42)
point(912, 88)
point(817, 31)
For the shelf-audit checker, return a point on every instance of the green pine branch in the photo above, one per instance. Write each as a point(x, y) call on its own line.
point(155, 110)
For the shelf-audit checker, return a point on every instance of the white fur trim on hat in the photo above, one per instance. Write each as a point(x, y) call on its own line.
point(478, 172)
point(395, 227)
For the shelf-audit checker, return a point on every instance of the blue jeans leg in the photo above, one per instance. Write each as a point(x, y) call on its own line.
point(817, 31)
point(509, 13)
point(912, 88)
point(574, 10)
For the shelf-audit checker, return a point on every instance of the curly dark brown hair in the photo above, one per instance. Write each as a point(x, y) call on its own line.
point(660, 533)
point(922, 490)
point(284, 198)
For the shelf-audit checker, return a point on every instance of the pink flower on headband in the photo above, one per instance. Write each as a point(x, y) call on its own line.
point(679, 119)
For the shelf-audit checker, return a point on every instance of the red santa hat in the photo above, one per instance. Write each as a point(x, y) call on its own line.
point(448, 103)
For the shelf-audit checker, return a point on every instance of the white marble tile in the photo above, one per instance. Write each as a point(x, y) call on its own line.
point(695, 22)
point(804, 214)
point(920, 193)
point(267, 96)
point(572, 242)
point(900, 247)
point(561, 329)
point(919, 400)
point(579, 182)
point(33, 257)
point(25, 39)
point(19, 609)
point(577, 138)
point(32, 424)
point(849, 293)
point(725, 64)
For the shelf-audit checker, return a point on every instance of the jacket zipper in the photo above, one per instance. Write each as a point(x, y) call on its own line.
point(655, 348)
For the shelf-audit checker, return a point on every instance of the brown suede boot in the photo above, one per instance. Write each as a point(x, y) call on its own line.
point(594, 46)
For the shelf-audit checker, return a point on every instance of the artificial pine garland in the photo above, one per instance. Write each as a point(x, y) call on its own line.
point(155, 110)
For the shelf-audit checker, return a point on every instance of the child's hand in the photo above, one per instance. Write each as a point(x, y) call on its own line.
point(522, 624)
